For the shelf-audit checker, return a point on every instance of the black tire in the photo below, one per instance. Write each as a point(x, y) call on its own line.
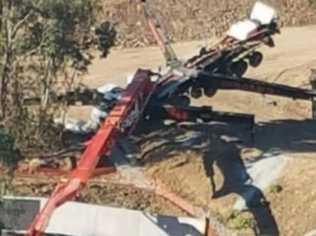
point(256, 59)
point(209, 91)
point(239, 68)
point(196, 92)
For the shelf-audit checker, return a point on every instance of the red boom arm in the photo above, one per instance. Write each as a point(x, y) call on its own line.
point(122, 119)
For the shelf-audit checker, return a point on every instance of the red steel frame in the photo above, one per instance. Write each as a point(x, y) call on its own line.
point(160, 37)
point(121, 120)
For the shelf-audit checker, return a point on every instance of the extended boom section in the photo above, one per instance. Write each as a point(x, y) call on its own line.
point(257, 86)
point(121, 120)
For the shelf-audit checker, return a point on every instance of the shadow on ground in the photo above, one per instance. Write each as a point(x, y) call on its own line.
point(282, 135)
point(220, 145)
point(287, 135)
point(172, 226)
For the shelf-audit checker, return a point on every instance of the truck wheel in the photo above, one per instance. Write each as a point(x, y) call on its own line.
point(196, 92)
point(239, 68)
point(209, 91)
point(255, 59)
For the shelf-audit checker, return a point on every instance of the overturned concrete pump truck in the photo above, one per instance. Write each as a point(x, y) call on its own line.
point(154, 96)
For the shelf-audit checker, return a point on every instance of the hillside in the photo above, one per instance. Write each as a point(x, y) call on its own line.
point(195, 19)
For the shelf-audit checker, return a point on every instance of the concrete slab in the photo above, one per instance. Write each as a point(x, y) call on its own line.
point(79, 219)
point(263, 172)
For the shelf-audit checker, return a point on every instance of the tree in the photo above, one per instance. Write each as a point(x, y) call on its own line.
point(43, 43)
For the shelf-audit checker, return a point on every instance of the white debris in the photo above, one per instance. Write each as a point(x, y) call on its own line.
point(76, 126)
point(106, 88)
point(263, 13)
point(71, 124)
point(111, 93)
point(242, 29)
point(96, 116)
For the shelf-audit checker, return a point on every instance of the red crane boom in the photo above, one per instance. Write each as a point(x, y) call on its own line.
point(121, 120)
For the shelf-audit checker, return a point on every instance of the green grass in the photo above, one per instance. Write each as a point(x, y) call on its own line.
point(240, 221)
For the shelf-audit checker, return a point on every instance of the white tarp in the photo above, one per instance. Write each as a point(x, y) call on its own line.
point(79, 219)
point(261, 14)
point(242, 29)
point(111, 92)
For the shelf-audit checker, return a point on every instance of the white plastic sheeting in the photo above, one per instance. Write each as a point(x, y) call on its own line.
point(242, 29)
point(111, 92)
point(263, 13)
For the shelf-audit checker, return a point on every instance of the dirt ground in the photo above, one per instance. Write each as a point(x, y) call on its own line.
point(101, 192)
point(189, 169)
point(282, 125)
point(195, 19)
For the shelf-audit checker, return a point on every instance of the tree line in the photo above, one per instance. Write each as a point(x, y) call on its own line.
point(44, 46)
